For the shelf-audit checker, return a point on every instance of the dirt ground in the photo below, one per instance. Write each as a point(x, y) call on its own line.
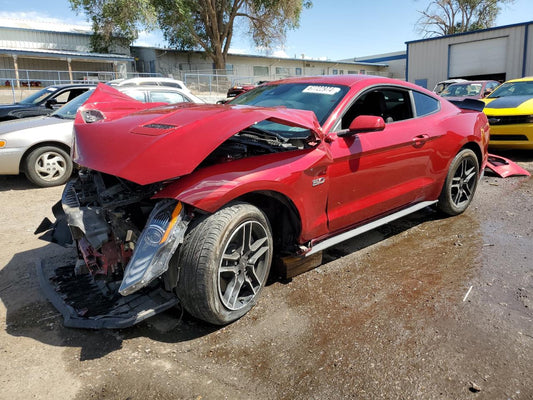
point(425, 308)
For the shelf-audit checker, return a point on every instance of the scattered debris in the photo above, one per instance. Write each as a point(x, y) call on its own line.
point(467, 293)
point(474, 388)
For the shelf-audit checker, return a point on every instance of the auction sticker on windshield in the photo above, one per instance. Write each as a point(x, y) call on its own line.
point(329, 90)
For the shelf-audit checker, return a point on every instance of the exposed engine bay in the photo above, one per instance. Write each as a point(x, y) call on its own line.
point(255, 141)
point(125, 238)
point(124, 241)
point(106, 215)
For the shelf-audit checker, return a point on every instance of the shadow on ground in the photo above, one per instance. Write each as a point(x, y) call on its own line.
point(32, 316)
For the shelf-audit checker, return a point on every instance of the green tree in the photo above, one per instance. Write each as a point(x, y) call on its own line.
point(207, 25)
point(446, 17)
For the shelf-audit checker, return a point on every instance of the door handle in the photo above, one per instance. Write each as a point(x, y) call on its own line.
point(418, 141)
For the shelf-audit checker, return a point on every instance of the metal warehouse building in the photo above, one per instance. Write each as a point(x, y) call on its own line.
point(500, 53)
point(32, 53)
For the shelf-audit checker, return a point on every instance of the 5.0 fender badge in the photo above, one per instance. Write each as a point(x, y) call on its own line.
point(318, 181)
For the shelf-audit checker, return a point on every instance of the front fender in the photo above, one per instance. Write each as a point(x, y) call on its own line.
point(292, 174)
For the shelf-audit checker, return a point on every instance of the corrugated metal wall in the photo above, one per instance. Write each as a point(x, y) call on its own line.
point(429, 59)
point(176, 63)
point(529, 61)
point(28, 39)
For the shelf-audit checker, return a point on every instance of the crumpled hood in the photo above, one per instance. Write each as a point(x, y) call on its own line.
point(147, 144)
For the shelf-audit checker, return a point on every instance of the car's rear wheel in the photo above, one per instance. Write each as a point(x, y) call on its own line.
point(48, 166)
point(224, 263)
point(461, 183)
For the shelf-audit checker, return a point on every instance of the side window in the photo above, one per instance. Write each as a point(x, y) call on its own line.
point(166, 97)
point(425, 104)
point(491, 86)
point(389, 103)
point(136, 94)
point(67, 95)
point(171, 84)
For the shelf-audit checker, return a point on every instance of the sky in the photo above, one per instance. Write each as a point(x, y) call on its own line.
point(331, 29)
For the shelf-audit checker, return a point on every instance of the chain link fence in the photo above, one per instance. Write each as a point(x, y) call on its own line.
point(13, 89)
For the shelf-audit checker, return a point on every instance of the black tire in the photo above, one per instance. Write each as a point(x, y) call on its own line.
point(48, 166)
point(461, 183)
point(221, 275)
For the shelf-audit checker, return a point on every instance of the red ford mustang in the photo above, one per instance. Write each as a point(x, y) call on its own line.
point(194, 203)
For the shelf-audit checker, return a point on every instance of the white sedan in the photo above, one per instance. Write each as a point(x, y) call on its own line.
point(40, 147)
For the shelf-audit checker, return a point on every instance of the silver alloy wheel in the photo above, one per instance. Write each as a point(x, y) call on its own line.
point(50, 166)
point(244, 265)
point(463, 182)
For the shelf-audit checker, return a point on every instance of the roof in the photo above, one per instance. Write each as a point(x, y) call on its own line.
point(307, 60)
point(471, 32)
point(524, 79)
point(44, 26)
point(481, 81)
point(70, 85)
point(377, 58)
point(66, 54)
point(345, 80)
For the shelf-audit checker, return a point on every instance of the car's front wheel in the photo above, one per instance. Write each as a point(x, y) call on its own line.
point(224, 263)
point(461, 183)
point(48, 166)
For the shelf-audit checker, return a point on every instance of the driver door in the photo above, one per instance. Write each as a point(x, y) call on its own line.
point(373, 173)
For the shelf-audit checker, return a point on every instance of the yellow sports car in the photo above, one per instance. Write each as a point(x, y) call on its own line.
point(510, 112)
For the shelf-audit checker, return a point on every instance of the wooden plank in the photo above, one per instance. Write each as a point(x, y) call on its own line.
point(291, 266)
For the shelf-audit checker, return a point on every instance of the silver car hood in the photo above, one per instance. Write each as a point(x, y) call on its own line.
point(28, 123)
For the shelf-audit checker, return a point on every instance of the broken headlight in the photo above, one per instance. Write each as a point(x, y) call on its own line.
point(162, 234)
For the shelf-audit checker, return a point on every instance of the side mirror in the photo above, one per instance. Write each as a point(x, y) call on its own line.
point(364, 123)
point(487, 92)
point(50, 103)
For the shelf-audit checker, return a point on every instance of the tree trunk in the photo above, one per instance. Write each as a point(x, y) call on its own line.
point(219, 60)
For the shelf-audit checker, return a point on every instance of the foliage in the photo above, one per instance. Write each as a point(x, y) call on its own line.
point(446, 17)
point(208, 25)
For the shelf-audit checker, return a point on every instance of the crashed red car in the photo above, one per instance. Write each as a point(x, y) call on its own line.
point(194, 203)
point(236, 90)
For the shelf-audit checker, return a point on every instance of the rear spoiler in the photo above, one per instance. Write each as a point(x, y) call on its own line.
point(469, 104)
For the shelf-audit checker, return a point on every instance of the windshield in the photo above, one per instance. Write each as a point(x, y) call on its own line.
point(321, 99)
point(68, 111)
point(439, 88)
point(524, 88)
point(462, 90)
point(39, 96)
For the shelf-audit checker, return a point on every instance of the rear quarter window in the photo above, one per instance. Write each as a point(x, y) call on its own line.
point(425, 104)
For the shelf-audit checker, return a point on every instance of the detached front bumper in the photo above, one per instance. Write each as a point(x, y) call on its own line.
point(124, 242)
point(79, 299)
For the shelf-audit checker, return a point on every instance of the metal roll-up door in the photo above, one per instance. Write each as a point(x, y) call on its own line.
point(482, 57)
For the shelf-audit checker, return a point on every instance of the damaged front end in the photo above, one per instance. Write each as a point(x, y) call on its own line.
point(124, 241)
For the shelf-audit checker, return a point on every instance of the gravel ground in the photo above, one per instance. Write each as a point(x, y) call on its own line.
point(425, 308)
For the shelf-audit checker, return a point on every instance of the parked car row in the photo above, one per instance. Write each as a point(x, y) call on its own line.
point(509, 107)
point(40, 146)
point(469, 90)
point(43, 102)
